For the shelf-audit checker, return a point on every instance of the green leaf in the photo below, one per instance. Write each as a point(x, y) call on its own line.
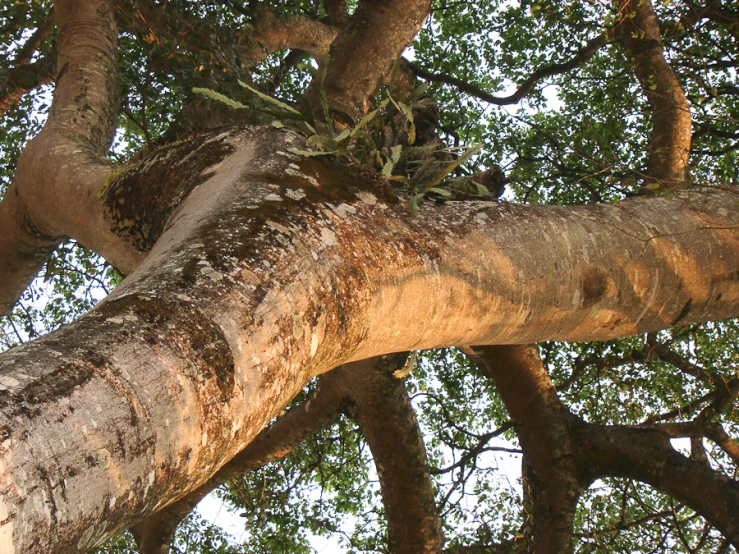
point(323, 143)
point(482, 190)
point(271, 101)
point(343, 135)
point(387, 169)
point(452, 166)
point(441, 192)
point(369, 117)
point(309, 153)
point(213, 95)
point(395, 153)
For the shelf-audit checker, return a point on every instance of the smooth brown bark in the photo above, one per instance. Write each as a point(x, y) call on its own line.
point(669, 146)
point(551, 473)
point(388, 422)
point(274, 33)
point(364, 51)
point(62, 170)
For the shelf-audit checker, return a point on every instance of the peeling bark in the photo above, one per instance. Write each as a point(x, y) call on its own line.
point(388, 422)
point(278, 268)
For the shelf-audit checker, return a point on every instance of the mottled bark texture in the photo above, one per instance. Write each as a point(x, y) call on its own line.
point(388, 422)
point(62, 170)
point(277, 268)
point(669, 146)
point(364, 51)
point(155, 534)
point(378, 401)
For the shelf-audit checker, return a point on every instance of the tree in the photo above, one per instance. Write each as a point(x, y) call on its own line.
point(319, 223)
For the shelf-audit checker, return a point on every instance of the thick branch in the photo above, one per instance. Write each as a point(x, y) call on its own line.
point(364, 51)
point(273, 33)
point(647, 455)
point(263, 279)
point(155, 534)
point(669, 147)
point(580, 57)
point(62, 170)
point(337, 12)
point(388, 422)
point(542, 424)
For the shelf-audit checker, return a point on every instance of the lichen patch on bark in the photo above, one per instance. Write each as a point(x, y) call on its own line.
point(138, 210)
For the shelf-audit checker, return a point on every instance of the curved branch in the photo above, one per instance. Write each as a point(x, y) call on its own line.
point(155, 534)
point(376, 35)
point(62, 170)
point(669, 147)
point(273, 33)
point(647, 455)
point(580, 57)
point(697, 429)
point(186, 361)
point(664, 353)
point(475, 451)
point(542, 423)
point(388, 422)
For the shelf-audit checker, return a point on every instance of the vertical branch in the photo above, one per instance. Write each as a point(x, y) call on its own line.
point(62, 170)
point(364, 51)
point(387, 419)
point(669, 148)
point(337, 12)
point(542, 423)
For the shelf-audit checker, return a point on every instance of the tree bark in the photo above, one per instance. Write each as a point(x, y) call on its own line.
point(551, 472)
point(669, 145)
point(63, 169)
point(277, 268)
point(388, 422)
point(375, 35)
point(647, 455)
point(155, 534)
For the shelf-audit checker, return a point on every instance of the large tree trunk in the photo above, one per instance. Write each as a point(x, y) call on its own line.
point(277, 268)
